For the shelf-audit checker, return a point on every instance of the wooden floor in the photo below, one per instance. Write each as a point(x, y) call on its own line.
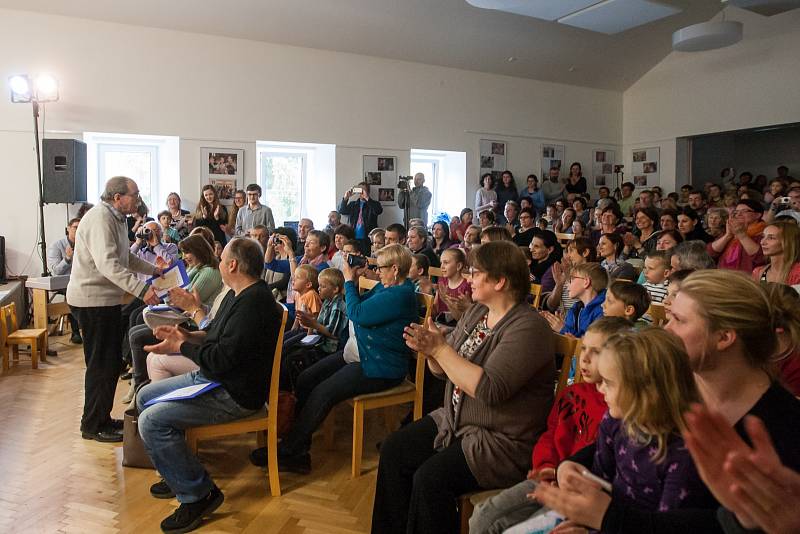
point(51, 480)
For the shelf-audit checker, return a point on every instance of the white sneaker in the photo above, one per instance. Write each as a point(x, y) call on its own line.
point(130, 394)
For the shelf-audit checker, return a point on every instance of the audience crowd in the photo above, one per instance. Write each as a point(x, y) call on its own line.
point(688, 423)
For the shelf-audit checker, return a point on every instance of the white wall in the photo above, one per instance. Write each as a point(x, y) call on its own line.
point(214, 91)
point(753, 83)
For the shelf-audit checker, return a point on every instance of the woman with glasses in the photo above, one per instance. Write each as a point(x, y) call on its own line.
point(374, 358)
point(239, 200)
point(496, 402)
point(739, 247)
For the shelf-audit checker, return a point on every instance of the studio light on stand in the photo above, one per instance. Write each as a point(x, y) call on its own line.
point(42, 90)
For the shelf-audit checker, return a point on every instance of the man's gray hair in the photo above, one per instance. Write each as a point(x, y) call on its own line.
point(248, 254)
point(118, 185)
point(693, 255)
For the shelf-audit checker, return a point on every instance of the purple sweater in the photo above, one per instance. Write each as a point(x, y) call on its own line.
point(638, 481)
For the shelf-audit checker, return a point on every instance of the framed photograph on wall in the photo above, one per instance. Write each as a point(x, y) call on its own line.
point(552, 156)
point(386, 196)
point(380, 172)
point(493, 156)
point(646, 166)
point(602, 166)
point(224, 169)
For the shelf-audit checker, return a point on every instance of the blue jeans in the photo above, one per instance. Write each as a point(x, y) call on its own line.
point(162, 428)
point(321, 387)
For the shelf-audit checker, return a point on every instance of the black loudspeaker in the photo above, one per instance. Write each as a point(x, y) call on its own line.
point(63, 171)
point(2, 259)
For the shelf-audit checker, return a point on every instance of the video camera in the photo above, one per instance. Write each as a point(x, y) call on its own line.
point(403, 181)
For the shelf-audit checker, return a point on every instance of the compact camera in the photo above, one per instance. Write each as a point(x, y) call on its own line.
point(356, 261)
point(144, 233)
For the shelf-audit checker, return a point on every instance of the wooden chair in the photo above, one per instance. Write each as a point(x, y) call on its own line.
point(658, 313)
point(365, 284)
point(11, 336)
point(401, 394)
point(570, 348)
point(536, 293)
point(564, 238)
point(435, 272)
point(263, 421)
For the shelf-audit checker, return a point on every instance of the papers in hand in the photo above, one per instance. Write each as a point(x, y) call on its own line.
point(173, 277)
point(189, 392)
point(311, 339)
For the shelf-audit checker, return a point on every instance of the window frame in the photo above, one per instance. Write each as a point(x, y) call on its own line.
point(286, 152)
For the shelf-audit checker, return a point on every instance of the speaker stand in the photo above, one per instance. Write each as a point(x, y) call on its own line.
point(42, 242)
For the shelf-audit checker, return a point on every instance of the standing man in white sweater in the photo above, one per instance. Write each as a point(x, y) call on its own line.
point(103, 270)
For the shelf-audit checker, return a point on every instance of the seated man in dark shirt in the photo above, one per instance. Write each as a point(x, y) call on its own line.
point(236, 351)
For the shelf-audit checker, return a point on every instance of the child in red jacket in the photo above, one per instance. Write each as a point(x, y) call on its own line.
point(571, 426)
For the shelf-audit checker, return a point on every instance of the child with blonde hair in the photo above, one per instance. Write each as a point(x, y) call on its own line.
point(648, 384)
point(571, 426)
point(451, 285)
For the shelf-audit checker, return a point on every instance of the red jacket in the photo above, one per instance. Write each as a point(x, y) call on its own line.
point(571, 425)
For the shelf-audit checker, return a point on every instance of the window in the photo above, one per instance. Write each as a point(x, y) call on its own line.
point(430, 168)
point(151, 161)
point(297, 180)
point(446, 176)
point(282, 179)
point(137, 162)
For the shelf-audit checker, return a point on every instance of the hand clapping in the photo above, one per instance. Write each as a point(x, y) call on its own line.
point(426, 339)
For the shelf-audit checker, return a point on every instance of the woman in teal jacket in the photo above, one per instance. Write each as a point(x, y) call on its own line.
point(375, 357)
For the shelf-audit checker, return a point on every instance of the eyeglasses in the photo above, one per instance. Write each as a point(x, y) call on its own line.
point(473, 271)
point(571, 278)
point(381, 267)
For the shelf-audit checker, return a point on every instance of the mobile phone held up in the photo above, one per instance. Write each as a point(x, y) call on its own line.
point(356, 261)
point(357, 190)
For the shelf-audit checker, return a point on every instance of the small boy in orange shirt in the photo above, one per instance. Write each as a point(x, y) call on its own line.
point(305, 285)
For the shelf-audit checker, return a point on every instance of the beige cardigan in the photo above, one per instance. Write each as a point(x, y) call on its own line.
point(103, 266)
point(509, 412)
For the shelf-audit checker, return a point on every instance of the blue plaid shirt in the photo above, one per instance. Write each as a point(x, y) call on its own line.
point(333, 316)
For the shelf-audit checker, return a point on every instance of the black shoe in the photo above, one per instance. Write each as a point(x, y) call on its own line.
point(258, 457)
point(161, 490)
point(107, 435)
point(300, 464)
point(117, 424)
point(188, 516)
point(126, 375)
point(76, 338)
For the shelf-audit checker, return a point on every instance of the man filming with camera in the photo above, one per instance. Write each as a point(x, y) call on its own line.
point(417, 200)
point(363, 213)
point(788, 206)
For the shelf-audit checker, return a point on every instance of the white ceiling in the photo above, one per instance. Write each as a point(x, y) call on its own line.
point(450, 33)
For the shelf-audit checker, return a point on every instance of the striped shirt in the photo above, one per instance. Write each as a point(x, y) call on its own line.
point(657, 292)
point(333, 316)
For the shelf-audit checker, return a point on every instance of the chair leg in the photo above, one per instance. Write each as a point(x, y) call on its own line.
point(15, 352)
point(329, 431)
point(261, 438)
point(466, 513)
point(358, 438)
point(4, 351)
point(34, 354)
point(272, 464)
point(44, 347)
point(390, 418)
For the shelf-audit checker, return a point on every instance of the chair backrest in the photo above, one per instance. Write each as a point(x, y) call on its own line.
point(435, 272)
point(365, 284)
point(10, 317)
point(658, 313)
point(570, 348)
point(419, 372)
point(564, 238)
point(274, 380)
point(536, 293)
point(4, 312)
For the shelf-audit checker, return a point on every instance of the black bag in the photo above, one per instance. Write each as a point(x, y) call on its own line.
point(133, 452)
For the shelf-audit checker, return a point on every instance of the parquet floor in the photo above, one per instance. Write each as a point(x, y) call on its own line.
point(51, 480)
